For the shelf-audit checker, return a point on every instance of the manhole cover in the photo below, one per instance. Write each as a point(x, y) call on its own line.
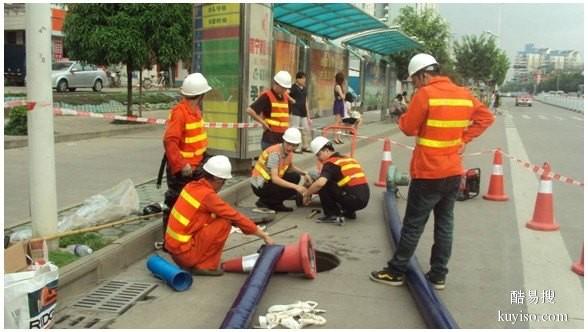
point(82, 319)
point(114, 296)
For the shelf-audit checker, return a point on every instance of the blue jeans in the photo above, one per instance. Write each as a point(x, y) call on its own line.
point(425, 195)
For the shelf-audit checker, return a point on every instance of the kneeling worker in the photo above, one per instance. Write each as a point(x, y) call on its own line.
point(342, 185)
point(200, 221)
point(275, 178)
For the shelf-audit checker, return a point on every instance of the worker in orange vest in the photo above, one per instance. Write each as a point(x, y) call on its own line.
point(275, 178)
point(200, 221)
point(342, 184)
point(443, 117)
point(185, 141)
point(270, 110)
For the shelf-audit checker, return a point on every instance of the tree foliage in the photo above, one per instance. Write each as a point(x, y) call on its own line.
point(479, 60)
point(431, 30)
point(136, 35)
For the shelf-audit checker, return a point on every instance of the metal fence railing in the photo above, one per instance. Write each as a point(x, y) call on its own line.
point(575, 104)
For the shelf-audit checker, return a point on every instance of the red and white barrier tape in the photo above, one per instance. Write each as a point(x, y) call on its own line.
point(539, 171)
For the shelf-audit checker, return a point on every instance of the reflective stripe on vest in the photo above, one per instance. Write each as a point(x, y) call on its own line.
point(351, 171)
point(183, 238)
point(195, 139)
point(278, 120)
point(191, 154)
point(261, 168)
point(448, 123)
point(178, 223)
point(431, 143)
point(450, 102)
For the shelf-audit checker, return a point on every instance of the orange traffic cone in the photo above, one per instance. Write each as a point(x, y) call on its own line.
point(578, 266)
point(543, 215)
point(299, 257)
point(496, 186)
point(385, 164)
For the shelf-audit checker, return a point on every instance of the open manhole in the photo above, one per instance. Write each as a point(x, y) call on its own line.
point(326, 261)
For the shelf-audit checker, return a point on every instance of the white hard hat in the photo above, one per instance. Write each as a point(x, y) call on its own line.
point(318, 143)
point(195, 84)
point(219, 166)
point(284, 79)
point(292, 136)
point(420, 61)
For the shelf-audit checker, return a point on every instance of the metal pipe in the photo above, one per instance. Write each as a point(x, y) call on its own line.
point(239, 316)
point(432, 309)
point(42, 182)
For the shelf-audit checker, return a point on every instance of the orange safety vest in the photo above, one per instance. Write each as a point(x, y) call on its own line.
point(279, 119)
point(195, 139)
point(353, 174)
point(447, 119)
point(185, 219)
point(261, 169)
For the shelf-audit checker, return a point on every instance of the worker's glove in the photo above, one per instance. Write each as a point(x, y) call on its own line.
point(187, 171)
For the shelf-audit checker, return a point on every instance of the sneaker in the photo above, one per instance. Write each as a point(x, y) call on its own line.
point(281, 208)
point(438, 284)
point(208, 273)
point(331, 220)
point(261, 204)
point(387, 278)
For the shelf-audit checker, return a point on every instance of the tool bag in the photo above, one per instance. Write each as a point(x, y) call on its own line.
point(470, 184)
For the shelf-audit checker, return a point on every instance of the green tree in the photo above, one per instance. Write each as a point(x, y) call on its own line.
point(431, 30)
point(132, 34)
point(478, 60)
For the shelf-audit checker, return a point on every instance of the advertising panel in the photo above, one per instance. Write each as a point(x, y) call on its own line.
point(259, 44)
point(285, 53)
point(375, 84)
point(325, 62)
point(216, 56)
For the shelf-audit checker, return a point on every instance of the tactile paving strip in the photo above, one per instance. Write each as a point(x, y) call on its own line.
point(114, 296)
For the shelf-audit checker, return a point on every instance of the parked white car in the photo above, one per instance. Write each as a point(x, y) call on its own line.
point(71, 75)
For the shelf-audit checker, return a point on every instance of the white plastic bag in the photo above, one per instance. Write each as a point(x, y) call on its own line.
point(30, 298)
point(115, 203)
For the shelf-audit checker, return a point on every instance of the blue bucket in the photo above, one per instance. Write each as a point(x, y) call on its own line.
point(175, 277)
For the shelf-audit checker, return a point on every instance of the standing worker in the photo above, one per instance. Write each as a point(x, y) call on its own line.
point(299, 117)
point(200, 221)
point(184, 141)
point(342, 185)
point(275, 178)
point(443, 117)
point(271, 110)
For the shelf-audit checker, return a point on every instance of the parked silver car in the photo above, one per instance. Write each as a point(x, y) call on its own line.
point(71, 75)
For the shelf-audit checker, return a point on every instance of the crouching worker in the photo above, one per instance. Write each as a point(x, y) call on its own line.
point(341, 185)
point(200, 221)
point(275, 178)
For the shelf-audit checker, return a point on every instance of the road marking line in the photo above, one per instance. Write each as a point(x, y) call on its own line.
point(558, 117)
point(577, 118)
point(525, 116)
point(543, 117)
point(546, 261)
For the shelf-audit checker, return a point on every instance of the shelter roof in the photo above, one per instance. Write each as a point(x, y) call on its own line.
point(383, 41)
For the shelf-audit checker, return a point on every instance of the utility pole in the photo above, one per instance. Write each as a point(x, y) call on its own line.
point(42, 183)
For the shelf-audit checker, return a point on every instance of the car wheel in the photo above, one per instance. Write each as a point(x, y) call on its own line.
point(97, 86)
point(62, 86)
point(72, 89)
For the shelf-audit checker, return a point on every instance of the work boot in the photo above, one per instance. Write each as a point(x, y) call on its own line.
point(331, 220)
point(208, 273)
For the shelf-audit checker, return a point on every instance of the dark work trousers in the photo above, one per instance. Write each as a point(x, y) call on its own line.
point(271, 194)
point(425, 195)
point(343, 200)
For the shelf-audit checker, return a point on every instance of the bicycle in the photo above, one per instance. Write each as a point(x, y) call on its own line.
point(162, 81)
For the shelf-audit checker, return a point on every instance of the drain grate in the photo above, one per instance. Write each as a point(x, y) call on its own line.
point(80, 319)
point(114, 296)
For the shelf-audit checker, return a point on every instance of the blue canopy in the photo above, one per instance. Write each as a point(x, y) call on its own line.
point(329, 20)
point(383, 41)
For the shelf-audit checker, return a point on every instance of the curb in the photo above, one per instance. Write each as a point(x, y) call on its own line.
point(108, 261)
point(23, 141)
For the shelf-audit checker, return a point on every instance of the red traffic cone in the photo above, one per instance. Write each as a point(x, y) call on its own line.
point(299, 257)
point(385, 164)
point(543, 215)
point(496, 186)
point(578, 266)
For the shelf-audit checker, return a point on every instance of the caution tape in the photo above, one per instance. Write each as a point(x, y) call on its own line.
point(539, 170)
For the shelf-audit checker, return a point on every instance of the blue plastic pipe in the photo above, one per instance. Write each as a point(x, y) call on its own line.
point(178, 279)
point(432, 309)
point(239, 316)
